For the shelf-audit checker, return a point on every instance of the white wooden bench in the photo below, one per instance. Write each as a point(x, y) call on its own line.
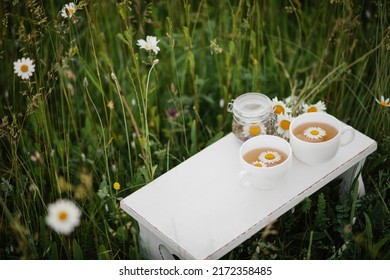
point(197, 210)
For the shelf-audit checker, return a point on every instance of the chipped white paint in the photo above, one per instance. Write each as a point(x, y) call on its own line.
point(198, 211)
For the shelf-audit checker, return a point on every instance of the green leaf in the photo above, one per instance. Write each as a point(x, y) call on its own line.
point(122, 234)
point(378, 246)
point(193, 149)
point(103, 253)
point(368, 230)
point(53, 252)
point(77, 252)
point(215, 138)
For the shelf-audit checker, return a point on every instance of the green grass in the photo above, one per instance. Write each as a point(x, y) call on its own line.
point(95, 113)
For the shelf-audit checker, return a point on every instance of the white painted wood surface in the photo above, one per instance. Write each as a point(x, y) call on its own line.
point(198, 210)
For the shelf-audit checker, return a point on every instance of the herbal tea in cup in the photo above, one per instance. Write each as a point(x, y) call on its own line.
point(316, 137)
point(264, 160)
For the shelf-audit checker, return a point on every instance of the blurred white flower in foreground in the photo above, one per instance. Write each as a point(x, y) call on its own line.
point(150, 44)
point(63, 216)
point(24, 68)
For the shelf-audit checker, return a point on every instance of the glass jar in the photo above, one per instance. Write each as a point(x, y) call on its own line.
point(252, 115)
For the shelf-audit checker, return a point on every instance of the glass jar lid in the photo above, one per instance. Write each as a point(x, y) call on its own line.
point(251, 106)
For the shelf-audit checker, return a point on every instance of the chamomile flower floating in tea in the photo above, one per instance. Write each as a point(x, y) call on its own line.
point(383, 102)
point(258, 163)
point(314, 133)
point(270, 157)
point(280, 107)
point(24, 68)
point(254, 130)
point(318, 107)
point(283, 125)
point(63, 216)
point(68, 10)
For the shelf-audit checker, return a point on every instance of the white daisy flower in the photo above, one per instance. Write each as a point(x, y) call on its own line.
point(24, 68)
point(318, 107)
point(150, 44)
point(383, 102)
point(63, 216)
point(280, 107)
point(314, 133)
point(269, 157)
point(259, 164)
point(68, 10)
point(254, 130)
point(283, 125)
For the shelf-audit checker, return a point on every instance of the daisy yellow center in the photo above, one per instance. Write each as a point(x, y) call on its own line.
point(312, 109)
point(71, 11)
point(24, 68)
point(62, 216)
point(270, 156)
point(254, 130)
point(285, 124)
point(383, 103)
point(258, 164)
point(314, 132)
point(279, 109)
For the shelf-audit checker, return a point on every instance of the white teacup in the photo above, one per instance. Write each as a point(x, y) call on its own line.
point(264, 177)
point(317, 153)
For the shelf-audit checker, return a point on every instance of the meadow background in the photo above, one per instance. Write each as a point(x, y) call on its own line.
point(89, 116)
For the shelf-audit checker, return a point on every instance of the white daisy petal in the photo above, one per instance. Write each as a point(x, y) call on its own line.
point(318, 107)
point(63, 216)
point(258, 163)
point(314, 133)
point(150, 44)
point(269, 157)
point(280, 107)
point(68, 10)
point(254, 130)
point(283, 125)
point(24, 68)
point(383, 102)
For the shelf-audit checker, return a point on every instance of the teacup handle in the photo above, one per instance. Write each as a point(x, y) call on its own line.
point(245, 179)
point(347, 135)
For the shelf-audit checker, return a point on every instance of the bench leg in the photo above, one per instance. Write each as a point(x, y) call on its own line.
point(349, 176)
point(152, 248)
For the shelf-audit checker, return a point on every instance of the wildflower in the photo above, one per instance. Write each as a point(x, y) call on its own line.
point(173, 114)
point(254, 130)
point(36, 157)
point(63, 216)
point(214, 48)
point(383, 102)
point(24, 68)
point(68, 10)
point(280, 107)
point(150, 44)
point(110, 105)
point(117, 186)
point(270, 157)
point(283, 125)
point(318, 107)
